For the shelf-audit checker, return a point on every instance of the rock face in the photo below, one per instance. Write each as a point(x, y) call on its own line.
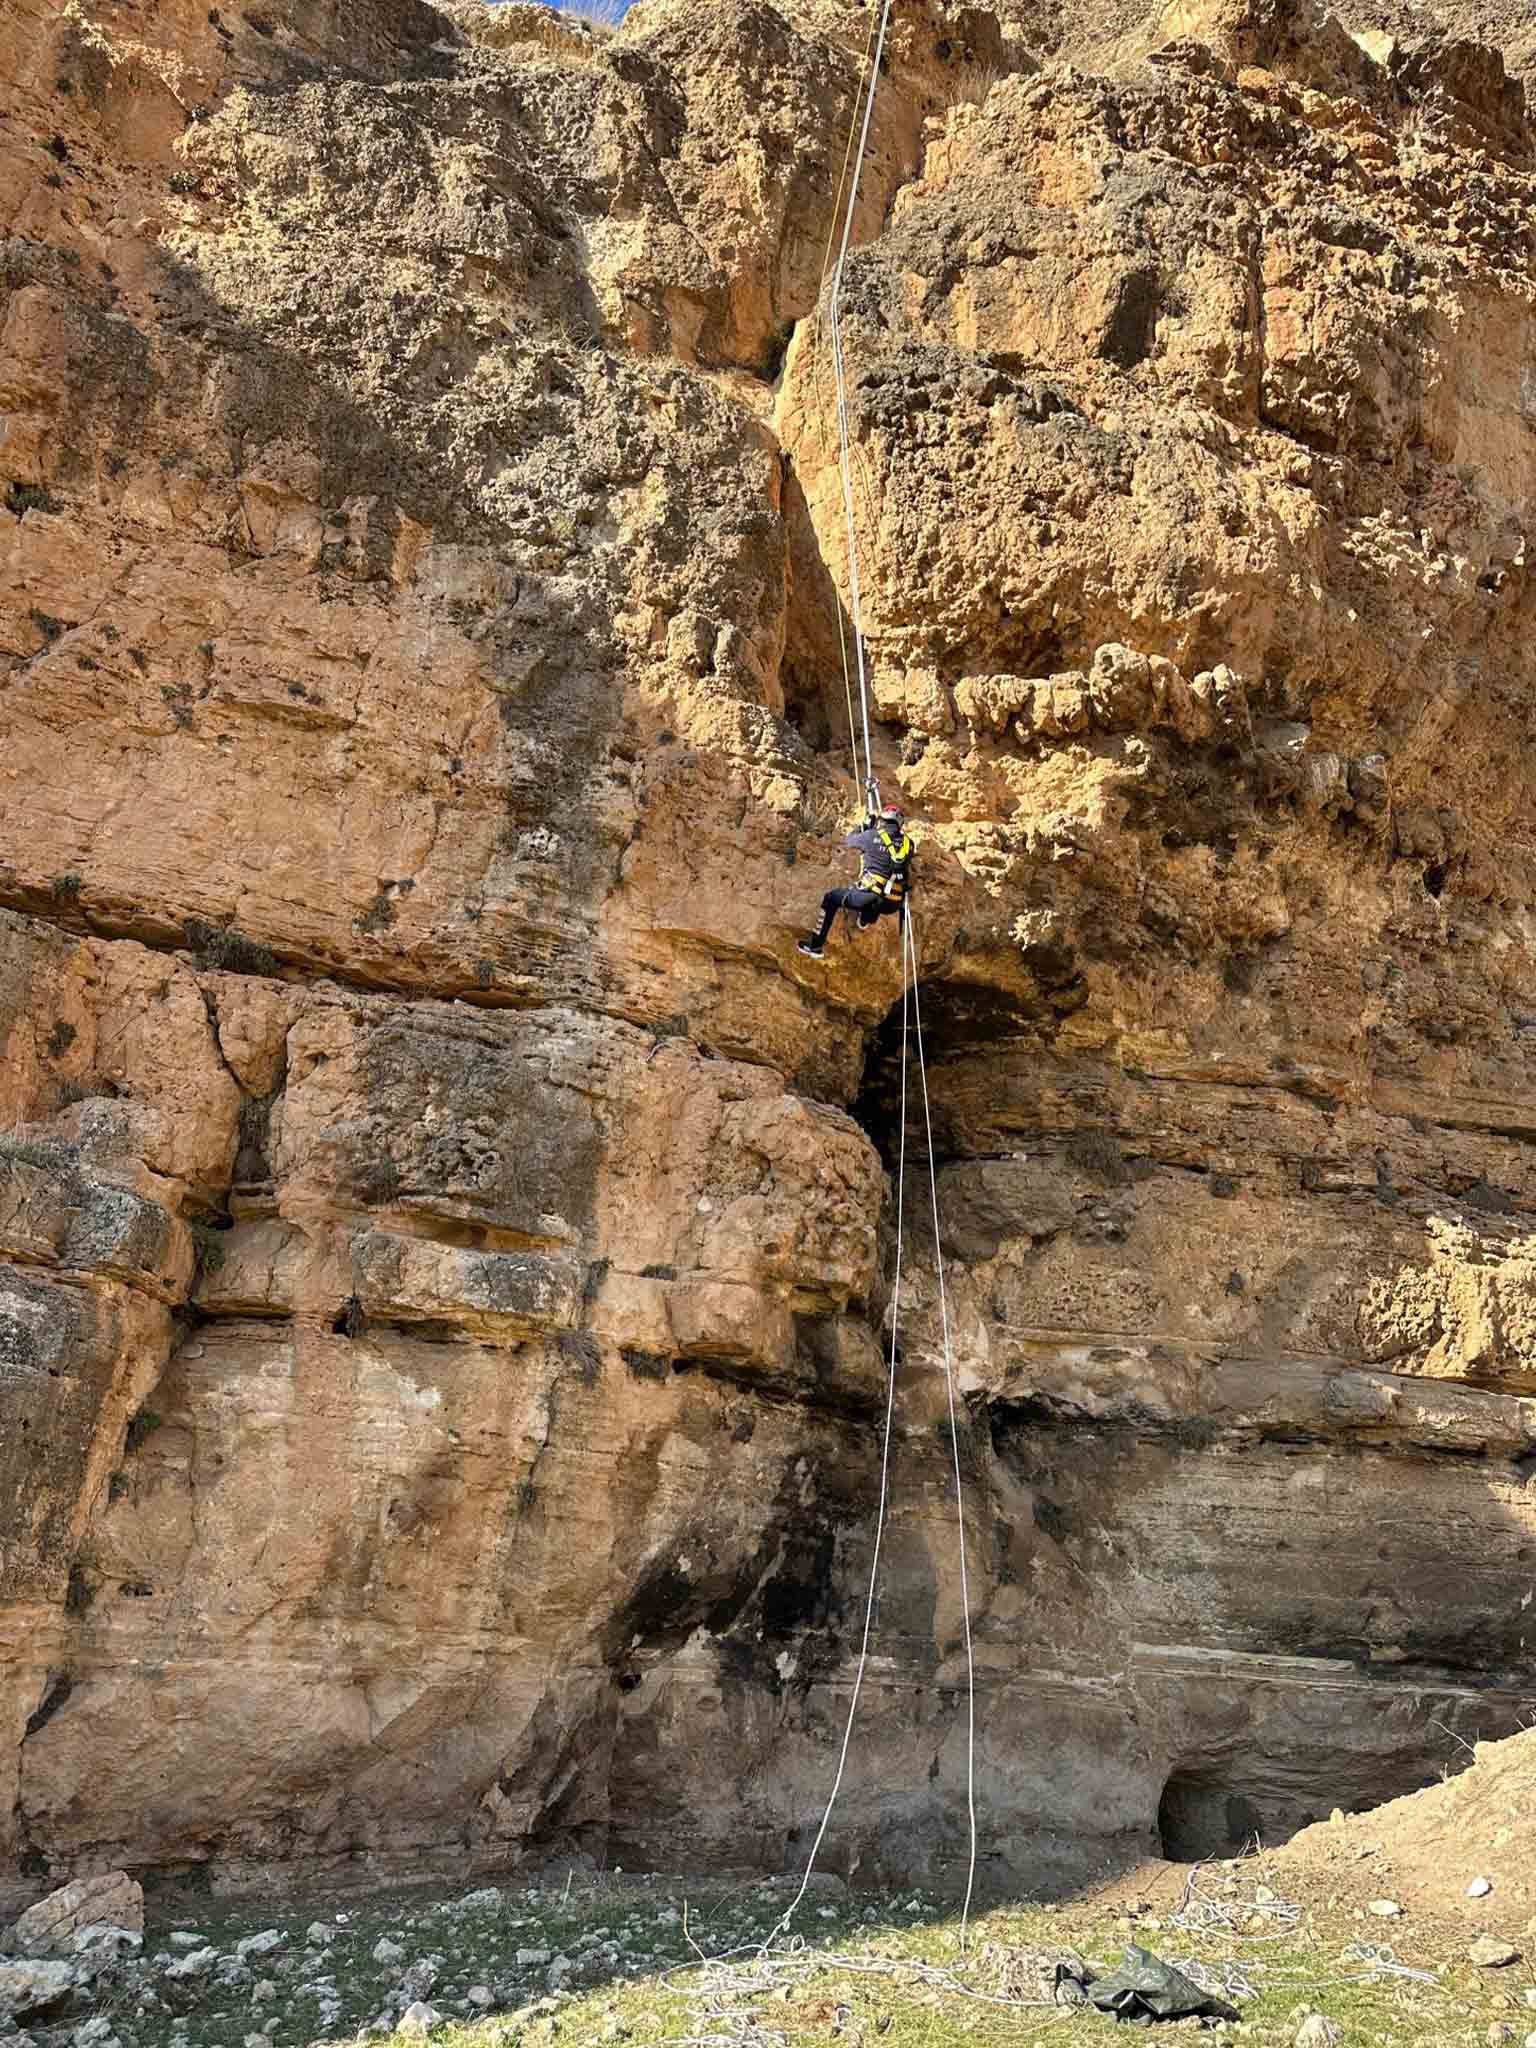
point(447, 1229)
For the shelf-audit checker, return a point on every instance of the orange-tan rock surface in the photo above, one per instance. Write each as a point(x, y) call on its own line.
point(447, 1233)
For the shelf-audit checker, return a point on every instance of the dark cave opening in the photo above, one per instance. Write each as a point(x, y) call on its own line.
point(959, 1019)
point(1200, 1816)
point(1254, 1794)
point(1131, 331)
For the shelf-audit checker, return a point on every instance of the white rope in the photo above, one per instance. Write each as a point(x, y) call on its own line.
point(821, 414)
point(840, 377)
point(911, 1005)
point(954, 1430)
point(909, 994)
point(885, 1471)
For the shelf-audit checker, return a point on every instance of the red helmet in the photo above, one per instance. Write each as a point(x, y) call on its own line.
point(892, 811)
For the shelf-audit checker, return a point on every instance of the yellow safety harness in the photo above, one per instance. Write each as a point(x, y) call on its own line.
point(892, 887)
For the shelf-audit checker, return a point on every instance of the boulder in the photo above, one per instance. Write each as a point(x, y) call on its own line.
point(198, 1963)
point(418, 1981)
point(35, 1985)
point(102, 1945)
point(1489, 1952)
point(259, 1944)
point(50, 1927)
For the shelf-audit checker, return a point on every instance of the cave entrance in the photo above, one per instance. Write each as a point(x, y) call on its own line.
point(1214, 1805)
point(961, 1019)
point(1200, 1816)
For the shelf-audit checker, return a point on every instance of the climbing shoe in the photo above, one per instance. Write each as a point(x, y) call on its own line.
point(811, 950)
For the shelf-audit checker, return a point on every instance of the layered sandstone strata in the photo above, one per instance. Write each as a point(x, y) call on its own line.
point(448, 1229)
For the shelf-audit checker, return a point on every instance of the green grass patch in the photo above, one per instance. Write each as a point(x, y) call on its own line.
point(617, 1959)
point(590, 1963)
point(22, 498)
point(208, 1240)
point(42, 1152)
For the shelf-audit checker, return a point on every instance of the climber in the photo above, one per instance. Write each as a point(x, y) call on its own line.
point(884, 848)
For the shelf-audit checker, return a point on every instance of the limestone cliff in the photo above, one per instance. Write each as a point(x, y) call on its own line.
point(447, 1227)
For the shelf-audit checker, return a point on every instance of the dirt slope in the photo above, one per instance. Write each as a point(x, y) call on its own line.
point(1423, 1851)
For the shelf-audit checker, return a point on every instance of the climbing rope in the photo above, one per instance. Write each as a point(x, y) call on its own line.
point(839, 373)
point(866, 78)
point(910, 963)
point(885, 1489)
point(911, 1026)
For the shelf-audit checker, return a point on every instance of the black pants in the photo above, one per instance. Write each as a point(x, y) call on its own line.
point(870, 905)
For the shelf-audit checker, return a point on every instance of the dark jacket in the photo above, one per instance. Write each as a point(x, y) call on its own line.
point(875, 856)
